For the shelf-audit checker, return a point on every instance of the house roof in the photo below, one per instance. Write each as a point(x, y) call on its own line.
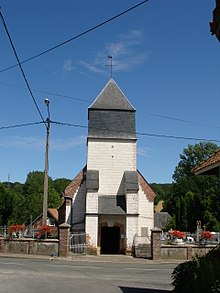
point(71, 189)
point(53, 213)
point(210, 166)
point(78, 180)
point(148, 191)
point(112, 98)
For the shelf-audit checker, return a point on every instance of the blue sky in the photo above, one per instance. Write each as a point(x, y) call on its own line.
point(167, 65)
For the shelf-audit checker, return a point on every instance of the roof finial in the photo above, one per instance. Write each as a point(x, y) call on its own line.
point(110, 65)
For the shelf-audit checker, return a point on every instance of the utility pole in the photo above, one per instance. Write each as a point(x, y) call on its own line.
point(45, 199)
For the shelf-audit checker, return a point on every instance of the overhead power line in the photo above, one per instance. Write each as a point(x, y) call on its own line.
point(21, 125)
point(90, 101)
point(19, 64)
point(137, 133)
point(113, 130)
point(76, 37)
point(48, 93)
point(179, 119)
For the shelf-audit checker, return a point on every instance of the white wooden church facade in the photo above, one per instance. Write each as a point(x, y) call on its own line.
point(109, 199)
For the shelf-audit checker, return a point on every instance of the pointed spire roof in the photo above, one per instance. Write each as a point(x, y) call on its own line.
point(112, 98)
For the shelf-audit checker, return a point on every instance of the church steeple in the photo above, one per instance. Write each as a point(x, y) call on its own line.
point(111, 115)
point(112, 98)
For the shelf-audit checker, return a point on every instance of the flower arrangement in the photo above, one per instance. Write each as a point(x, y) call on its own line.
point(206, 235)
point(45, 229)
point(15, 228)
point(177, 234)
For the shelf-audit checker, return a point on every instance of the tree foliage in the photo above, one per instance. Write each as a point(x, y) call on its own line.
point(194, 197)
point(22, 203)
point(162, 191)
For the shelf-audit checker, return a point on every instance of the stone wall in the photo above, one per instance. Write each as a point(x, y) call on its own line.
point(184, 252)
point(29, 246)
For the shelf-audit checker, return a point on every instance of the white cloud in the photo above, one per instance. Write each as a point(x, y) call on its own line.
point(144, 152)
point(22, 142)
point(37, 143)
point(68, 65)
point(63, 145)
point(126, 51)
point(91, 67)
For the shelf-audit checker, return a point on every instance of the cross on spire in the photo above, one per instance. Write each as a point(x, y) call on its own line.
point(110, 65)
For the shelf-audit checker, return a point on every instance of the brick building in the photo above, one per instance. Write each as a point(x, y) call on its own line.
point(109, 199)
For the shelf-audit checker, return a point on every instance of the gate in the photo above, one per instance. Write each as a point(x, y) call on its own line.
point(78, 243)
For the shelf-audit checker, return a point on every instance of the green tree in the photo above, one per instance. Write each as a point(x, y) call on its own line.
point(60, 184)
point(33, 195)
point(162, 191)
point(6, 205)
point(194, 197)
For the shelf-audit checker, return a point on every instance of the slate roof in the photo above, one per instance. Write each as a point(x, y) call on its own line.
point(111, 115)
point(111, 205)
point(210, 166)
point(112, 98)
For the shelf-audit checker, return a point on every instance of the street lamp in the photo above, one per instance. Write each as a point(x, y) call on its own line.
point(45, 199)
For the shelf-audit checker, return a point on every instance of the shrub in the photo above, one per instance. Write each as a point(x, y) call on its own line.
point(199, 275)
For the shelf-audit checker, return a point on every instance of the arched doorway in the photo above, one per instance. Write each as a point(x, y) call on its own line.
point(110, 240)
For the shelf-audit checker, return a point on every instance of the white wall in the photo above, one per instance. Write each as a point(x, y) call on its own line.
point(79, 207)
point(92, 229)
point(91, 202)
point(131, 229)
point(146, 212)
point(111, 158)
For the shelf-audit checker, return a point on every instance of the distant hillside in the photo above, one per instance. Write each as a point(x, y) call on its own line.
point(162, 190)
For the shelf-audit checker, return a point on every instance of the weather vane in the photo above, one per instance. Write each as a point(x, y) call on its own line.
point(110, 65)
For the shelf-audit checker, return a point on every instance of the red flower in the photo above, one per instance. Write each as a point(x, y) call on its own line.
point(45, 229)
point(177, 234)
point(15, 228)
point(206, 235)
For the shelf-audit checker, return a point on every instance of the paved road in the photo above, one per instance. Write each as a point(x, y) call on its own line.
point(43, 275)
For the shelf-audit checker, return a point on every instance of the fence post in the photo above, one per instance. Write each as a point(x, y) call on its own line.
point(156, 243)
point(64, 240)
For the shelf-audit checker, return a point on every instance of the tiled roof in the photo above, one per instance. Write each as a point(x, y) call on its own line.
point(208, 163)
point(75, 184)
point(150, 195)
point(54, 213)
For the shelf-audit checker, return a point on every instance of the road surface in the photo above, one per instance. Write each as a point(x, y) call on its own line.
point(19, 275)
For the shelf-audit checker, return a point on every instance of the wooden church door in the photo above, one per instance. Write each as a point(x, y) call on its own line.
point(110, 240)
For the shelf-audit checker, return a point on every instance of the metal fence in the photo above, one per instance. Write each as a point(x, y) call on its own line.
point(78, 243)
point(28, 232)
point(3, 231)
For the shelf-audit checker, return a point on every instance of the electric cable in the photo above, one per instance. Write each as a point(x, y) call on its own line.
point(75, 37)
point(113, 130)
point(90, 101)
point(22, 71)
point(21, 125)
point(136, 133)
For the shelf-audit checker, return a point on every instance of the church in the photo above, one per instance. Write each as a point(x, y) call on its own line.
point(109, 199)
